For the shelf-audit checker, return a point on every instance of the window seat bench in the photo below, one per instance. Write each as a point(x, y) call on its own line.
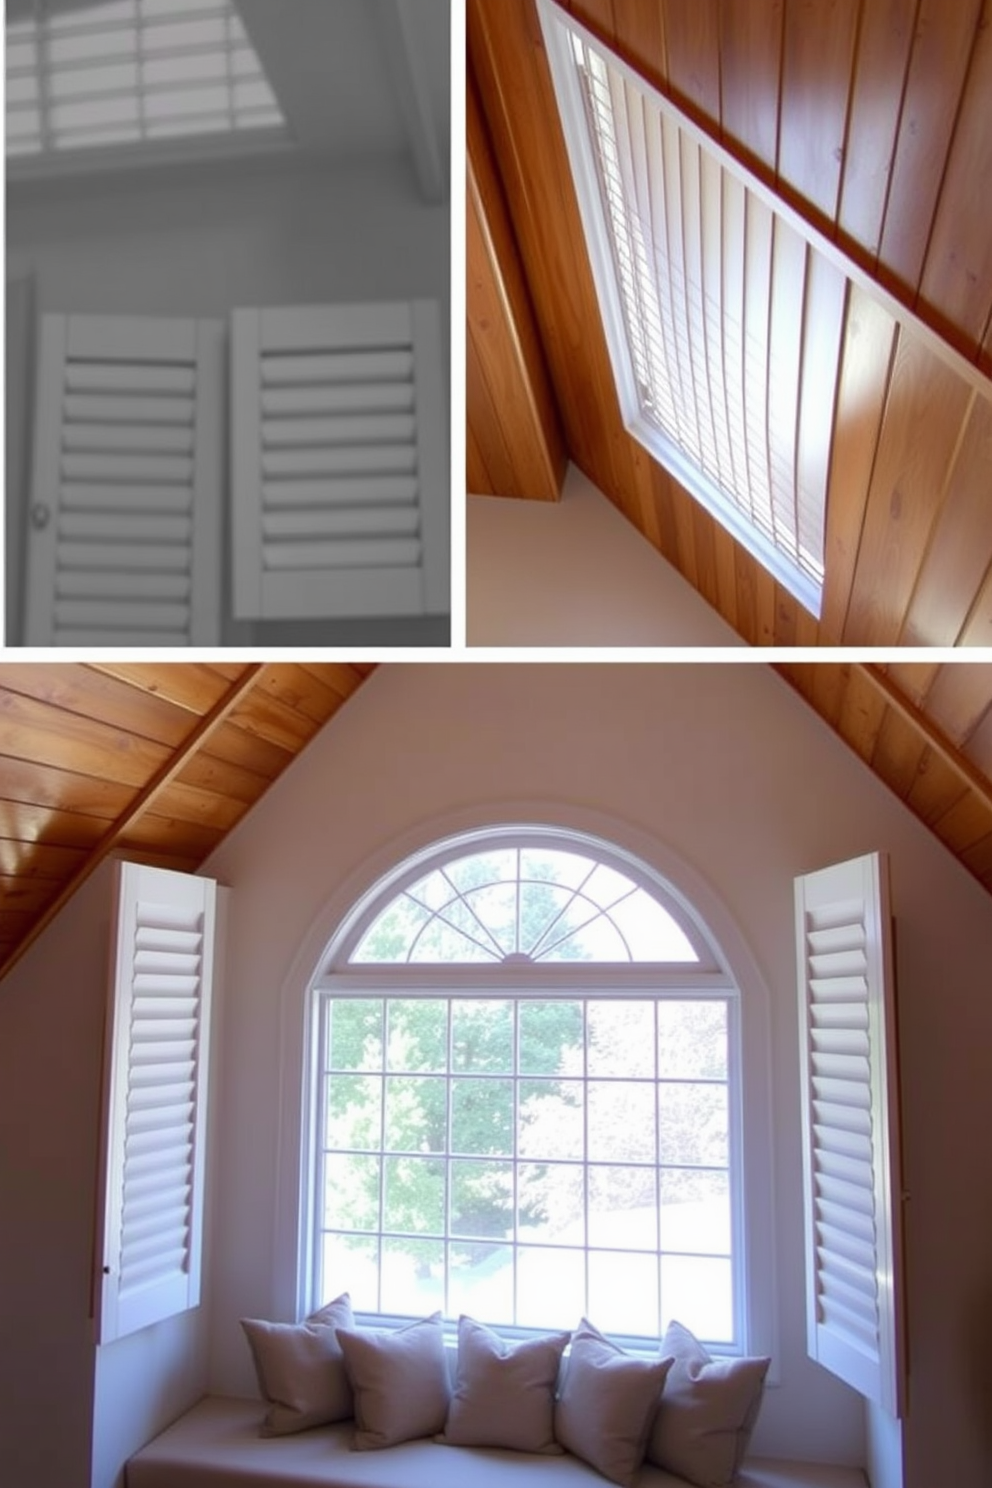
point(217, 1445)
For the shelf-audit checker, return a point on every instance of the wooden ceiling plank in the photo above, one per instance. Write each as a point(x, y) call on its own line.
point(927, 403)
point(979, 859)
point(34, 784)
point(40, 731)
point(27, 824)
point(879, 82)
point(38, 860)
point(978, 628)
point(942, 44)
point(639, 32)
point(168, 835)
point(899, 752)
point(954, 292)
point(959, 699)
point(239, 747)
point(118, 833)
point(90, 693)
point(692, 41)
point(751, 38)
point(960, 553)
point(979, 747)
point(188, 804)
point(508, 360)
point(31, 895)
point(938, 787)
point(207, 772)
point(314, 693)
point(817, 60)
point(188, 685)
point(862, 713)
point(965, 823)
point(913, 679)
point(269, 719)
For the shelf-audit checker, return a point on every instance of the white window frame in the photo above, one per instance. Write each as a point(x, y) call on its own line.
point(750, 1156)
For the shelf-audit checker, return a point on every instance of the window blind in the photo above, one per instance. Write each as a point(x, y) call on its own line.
point(159, 1038)
point(851, 1127)
point(132, 71)
point(724, 322)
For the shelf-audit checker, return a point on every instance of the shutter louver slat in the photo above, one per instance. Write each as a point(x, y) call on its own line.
point(330, 439)
point(852, 1222)
point(127, 464)
point(158, 1071)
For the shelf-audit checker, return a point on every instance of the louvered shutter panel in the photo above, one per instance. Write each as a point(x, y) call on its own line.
point(851, 1126)
point(158, 1036)
point(127, 486)
point(340, 474)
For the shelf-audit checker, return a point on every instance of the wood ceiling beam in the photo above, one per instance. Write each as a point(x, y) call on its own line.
point(249, 679)
point(969, 774)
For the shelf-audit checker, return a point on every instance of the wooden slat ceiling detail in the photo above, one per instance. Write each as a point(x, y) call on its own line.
point(926, 731)
point(870, 120)
point(156, 762)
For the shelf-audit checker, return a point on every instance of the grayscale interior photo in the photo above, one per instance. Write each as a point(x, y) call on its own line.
point(228, 310)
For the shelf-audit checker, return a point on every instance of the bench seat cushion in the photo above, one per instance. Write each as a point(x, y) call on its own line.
point(217, 1445)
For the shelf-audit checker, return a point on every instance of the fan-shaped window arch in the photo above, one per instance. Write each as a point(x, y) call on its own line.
point(526, 1095)
point(528, 900)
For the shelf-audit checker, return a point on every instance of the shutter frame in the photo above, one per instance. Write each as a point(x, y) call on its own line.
point(374, 571)
point(155, 1097)
point(116, 343)
point(851, 1127)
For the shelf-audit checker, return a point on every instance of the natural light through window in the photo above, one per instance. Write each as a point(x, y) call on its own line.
point(525, 1102)
point(723, 319)
point(132, 71)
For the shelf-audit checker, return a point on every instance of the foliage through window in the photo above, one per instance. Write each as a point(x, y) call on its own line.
point(526, 1098)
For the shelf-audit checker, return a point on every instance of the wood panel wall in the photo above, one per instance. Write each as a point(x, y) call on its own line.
point(870, 119)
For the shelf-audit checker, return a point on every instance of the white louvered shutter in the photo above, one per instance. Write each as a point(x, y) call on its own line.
point(158, 1050)
point(851, 1126)
point(127, 483)
point(340, 491)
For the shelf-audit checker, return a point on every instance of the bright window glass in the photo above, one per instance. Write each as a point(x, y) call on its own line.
point(532, 1119)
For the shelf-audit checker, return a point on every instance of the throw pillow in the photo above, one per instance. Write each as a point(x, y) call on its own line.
point(707, 1413)
point(607, 1403)
point(300, 1368)
point(504, 1393)
point(399, 1380)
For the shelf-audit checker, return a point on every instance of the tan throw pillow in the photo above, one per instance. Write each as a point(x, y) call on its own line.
point(399, 1380)
point(300, 1368)
point(607, 1403)
point(504, 1393)
point(707, 1413)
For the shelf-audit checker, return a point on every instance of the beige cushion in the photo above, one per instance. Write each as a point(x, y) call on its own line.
point(300, 1368)
point(504, 1394)
point(607, 1403)
point(707, 1413)
point(399, 1380)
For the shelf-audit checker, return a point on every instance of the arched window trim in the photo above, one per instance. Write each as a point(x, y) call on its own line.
point(335, 914)
point(525, 834)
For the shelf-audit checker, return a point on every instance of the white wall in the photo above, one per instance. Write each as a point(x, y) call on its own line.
point(575, 573)
point(64, 1403)
point(729, 770)
point(204, 240)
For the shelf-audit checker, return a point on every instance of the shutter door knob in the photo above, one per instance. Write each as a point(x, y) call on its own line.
point(40, 516)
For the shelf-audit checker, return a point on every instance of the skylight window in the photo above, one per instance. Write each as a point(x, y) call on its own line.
point(132, 72)
point(723, 316)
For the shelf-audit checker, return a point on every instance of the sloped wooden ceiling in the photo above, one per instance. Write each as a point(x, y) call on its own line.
point(156, 762)
point(869, 117)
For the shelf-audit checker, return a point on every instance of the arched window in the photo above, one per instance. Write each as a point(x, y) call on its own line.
point(525, 1071)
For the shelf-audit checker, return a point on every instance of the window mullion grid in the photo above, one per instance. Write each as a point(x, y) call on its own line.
point(585, 1153)
point(381, 1216)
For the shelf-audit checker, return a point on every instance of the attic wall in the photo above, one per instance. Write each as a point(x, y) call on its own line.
point(575, 573)
point(726, 769)
point(207, 239)
point(70, 1413)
